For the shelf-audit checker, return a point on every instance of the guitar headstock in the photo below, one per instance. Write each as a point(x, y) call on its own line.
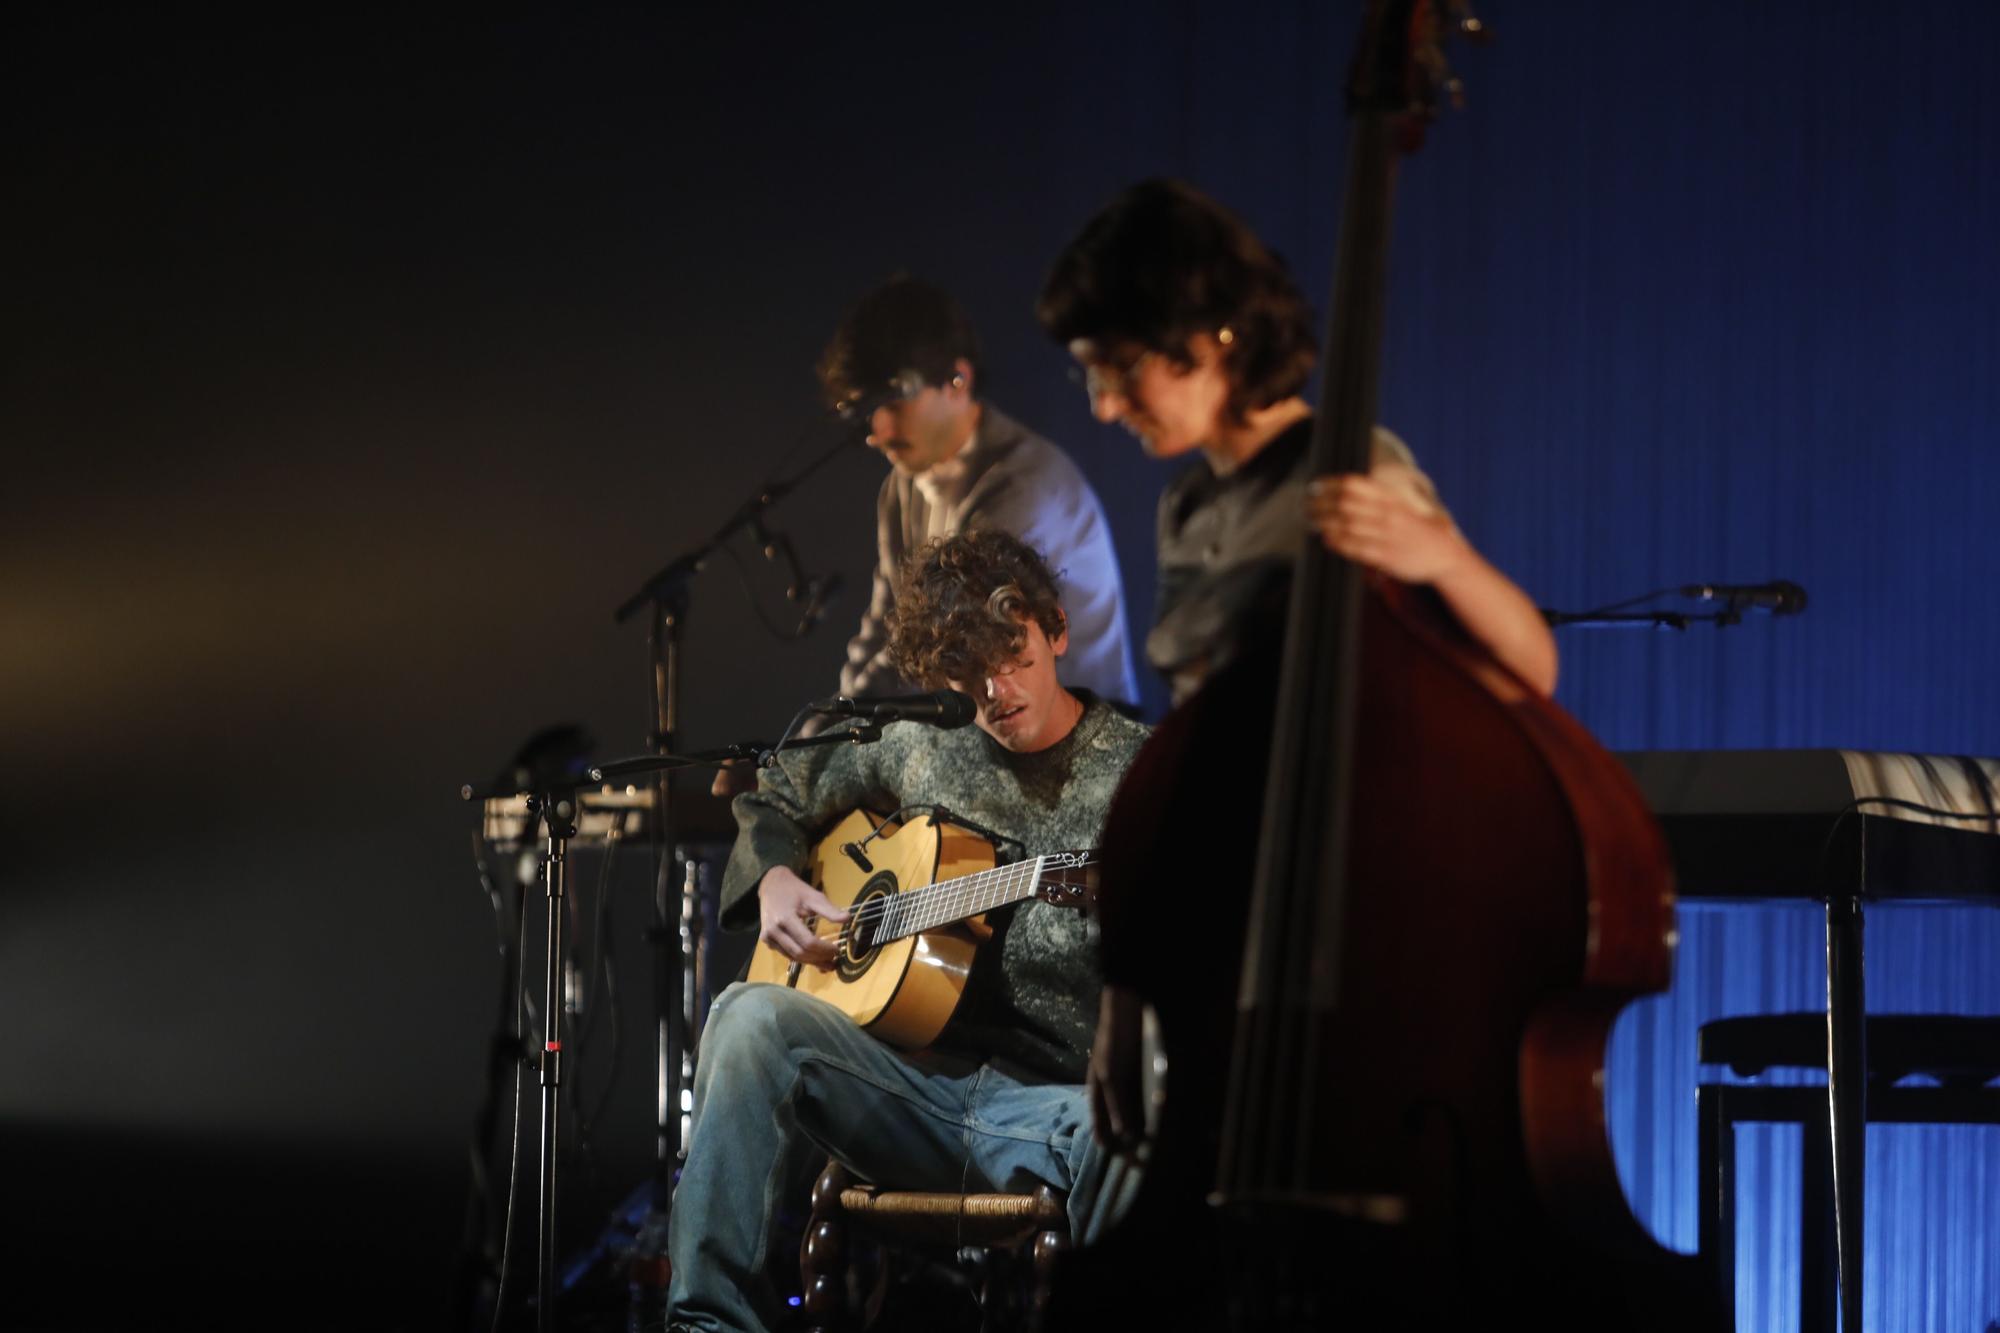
point(1401, 70)
point(1068, 879)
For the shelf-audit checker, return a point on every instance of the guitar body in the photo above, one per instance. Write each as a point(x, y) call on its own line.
point(902, 990)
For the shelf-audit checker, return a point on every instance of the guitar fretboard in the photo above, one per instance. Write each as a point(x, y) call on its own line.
point(918, 910)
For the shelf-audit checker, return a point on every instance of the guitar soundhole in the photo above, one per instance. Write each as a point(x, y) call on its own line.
point(858, 936)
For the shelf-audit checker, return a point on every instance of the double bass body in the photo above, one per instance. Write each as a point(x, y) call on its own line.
point(1385, 1101)
point(1430, 1148)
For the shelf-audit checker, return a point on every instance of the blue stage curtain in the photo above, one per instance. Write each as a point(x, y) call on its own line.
point(1712, 294)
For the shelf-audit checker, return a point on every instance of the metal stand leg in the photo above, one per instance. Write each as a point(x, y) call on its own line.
point(560, 812)
point(1847, 1093)
point(1716, 1234)
point(1819, 1269)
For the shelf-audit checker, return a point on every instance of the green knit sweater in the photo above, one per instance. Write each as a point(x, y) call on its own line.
point(1032, 997)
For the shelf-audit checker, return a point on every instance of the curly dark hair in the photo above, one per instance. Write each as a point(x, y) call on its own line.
point(963, 604)
point(1164, 262)
point(905, 324)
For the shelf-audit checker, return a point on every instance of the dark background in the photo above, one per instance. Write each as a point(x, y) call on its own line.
point(355, 368)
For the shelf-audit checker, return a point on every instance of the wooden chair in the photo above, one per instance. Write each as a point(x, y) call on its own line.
point(1009, 1240)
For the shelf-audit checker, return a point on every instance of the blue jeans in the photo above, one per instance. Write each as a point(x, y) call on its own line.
point(786, 1080)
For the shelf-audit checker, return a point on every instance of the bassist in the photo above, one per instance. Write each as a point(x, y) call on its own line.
point(1193, 336)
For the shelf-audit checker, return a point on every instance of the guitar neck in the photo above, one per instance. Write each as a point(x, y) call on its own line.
point(953, 900)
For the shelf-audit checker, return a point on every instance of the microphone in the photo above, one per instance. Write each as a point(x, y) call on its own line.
point(939, 708)
point(818, 592)
point(1781, 597)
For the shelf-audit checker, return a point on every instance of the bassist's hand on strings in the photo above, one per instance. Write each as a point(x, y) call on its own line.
point(787, 908)
point(1385, 522)
point(1375, 522)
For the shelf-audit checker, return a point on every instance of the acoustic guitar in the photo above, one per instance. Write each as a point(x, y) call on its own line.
point(917, 892)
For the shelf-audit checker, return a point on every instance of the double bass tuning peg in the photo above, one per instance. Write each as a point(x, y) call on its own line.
point(1457, 20)
point(1468, 24)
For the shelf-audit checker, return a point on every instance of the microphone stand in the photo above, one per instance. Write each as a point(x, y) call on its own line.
point(864, 730)
point(1627, 620)
point(1735, 601)
point(554, 803)
point(675, 934)
point(1729, 615)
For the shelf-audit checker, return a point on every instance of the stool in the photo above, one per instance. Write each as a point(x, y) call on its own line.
point(1020, 1236)
point(1963, 1054)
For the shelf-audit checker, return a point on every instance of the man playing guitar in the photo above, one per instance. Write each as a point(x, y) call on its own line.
point(996, 1102)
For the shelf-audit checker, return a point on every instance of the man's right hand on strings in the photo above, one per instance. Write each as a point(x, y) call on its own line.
point(786, 909)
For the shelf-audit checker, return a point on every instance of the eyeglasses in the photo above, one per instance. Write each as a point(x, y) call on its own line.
point(1111, 376)
point(901, 387)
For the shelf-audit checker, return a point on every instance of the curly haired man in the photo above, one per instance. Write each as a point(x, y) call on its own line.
point(996, 1103)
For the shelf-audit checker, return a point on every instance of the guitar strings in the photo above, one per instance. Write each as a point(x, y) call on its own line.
point(953, 894)
point(933, 905)
point(951, 897)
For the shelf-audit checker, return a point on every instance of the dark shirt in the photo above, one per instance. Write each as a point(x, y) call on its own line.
point(1226, 545)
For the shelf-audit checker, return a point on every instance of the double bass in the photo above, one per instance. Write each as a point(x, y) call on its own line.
point(1385, 1091)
